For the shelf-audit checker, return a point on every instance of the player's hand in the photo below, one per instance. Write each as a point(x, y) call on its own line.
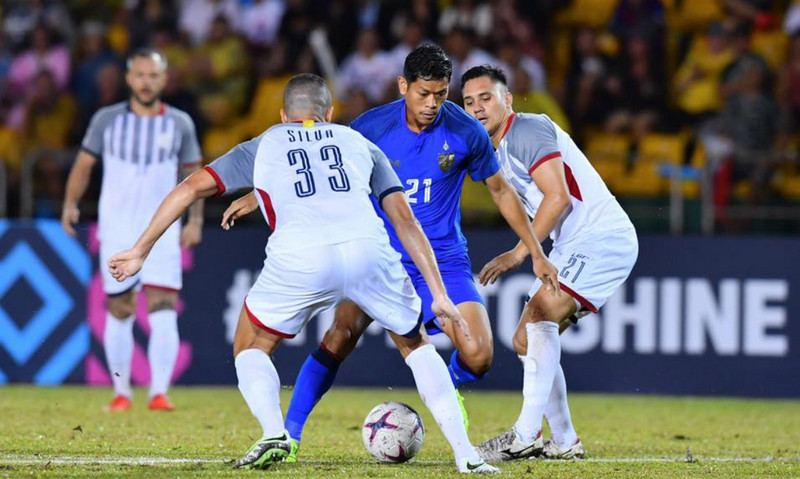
point(191, 234)
point(241, 207)
point(69, 217)
point(125, 264)
point(500, 265)
point(545, 271)
point(445, 311)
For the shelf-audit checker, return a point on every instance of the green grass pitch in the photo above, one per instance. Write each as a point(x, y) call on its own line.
point(63, 432)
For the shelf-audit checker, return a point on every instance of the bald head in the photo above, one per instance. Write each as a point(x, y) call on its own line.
point(306, 96)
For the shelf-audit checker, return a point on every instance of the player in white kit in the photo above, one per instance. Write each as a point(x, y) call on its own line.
point(594, 248)
point(313, 180)
point(144, 145)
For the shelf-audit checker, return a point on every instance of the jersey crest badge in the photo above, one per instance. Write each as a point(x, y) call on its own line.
point(446, 161)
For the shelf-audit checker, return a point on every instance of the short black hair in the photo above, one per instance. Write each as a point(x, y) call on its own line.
point(495, 74)
point(429, 62)
point(149, 53)
point(307, 93)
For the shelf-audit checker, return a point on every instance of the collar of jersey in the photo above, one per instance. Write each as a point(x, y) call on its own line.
point(508, 125)
point(161, 111)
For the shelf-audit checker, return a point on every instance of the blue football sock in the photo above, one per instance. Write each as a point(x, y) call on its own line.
point(460, 374)
point(315, 378)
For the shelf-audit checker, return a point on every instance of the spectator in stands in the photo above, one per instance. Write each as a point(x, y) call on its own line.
point(743, 59)
point(147, 16)
point(639, 17)
point(261, 21)
point(43, 54)
point(512, 27)
point(47, 122)
point(21, 17)
point(510, 55)
point(95, 53)
point(219, 72)
point(298, 22)
point(411, 36)
point(368, 69)
point(756, 12)
point(789, 81)
point(422, 12)
point(532, 99)
point(357, 103)
point(460, 46)
point(639, 91)
point(472, 15)
point(196, 17)
point(698, 78)
point(588, 72)
point(164, 39)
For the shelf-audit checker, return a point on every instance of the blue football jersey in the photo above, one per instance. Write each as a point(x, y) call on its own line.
point(431, 165)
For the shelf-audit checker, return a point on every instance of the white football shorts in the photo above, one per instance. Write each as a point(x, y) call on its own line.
point(161, 270)
point(590, 271)
point(296, 285)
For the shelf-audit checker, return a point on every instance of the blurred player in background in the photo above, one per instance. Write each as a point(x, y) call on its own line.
point(144, 144)
point(327, 245)
point(432, 144)
point(594, 247)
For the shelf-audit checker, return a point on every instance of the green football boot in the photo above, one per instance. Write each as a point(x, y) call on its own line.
point(265, 452)
point(292, 457)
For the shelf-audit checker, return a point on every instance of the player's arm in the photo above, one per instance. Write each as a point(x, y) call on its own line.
point(77, 183)
point(197, 186)
point(507, 200)
point(192, 232)
point(419, 249)
point(243, 206)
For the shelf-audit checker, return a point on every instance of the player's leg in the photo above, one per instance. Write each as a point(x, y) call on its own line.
point(472, 358)
point(164, 343)
point(439, 395)
point(319, 370)
point(537, 342)
point(260, 386)
point(118, 345)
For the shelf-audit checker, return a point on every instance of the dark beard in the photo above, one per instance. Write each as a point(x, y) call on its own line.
point(144, 103)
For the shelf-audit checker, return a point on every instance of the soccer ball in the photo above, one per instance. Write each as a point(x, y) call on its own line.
point(393, 432)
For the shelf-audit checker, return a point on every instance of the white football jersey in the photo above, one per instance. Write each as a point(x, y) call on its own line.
point(141, 157)
point(312, 181)
point(529, 141)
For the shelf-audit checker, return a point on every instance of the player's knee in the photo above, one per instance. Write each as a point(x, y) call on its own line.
point(477, 359)
point(121, 307)
point(341, 340)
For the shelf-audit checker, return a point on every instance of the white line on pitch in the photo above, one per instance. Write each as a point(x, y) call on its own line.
point(70, 460)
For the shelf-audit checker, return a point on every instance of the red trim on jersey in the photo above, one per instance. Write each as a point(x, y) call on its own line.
point(540, 161)
point(268, 207)
point(508, 124)
point(584, 302)
point(217, 179)
point(161, 288)
point(163, 108)
point(574, 190)
point(254, 320)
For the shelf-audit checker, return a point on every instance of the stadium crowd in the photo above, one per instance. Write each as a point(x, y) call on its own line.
point(703, 84)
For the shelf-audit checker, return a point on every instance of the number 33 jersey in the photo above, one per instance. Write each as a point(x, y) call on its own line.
point(312, 181)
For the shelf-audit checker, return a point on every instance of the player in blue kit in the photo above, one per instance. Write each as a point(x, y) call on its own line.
point(432, 144)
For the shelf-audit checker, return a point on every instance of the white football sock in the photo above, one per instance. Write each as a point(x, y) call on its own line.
point(260, 386)
point(557, 412)
point(162, 350)
point(540, 364)
point(439, 395)
point(118, 345)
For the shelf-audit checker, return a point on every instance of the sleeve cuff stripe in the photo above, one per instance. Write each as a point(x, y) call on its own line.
point(555, 154)
point(217, 179)
point(93, 153)
point(389, 191)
